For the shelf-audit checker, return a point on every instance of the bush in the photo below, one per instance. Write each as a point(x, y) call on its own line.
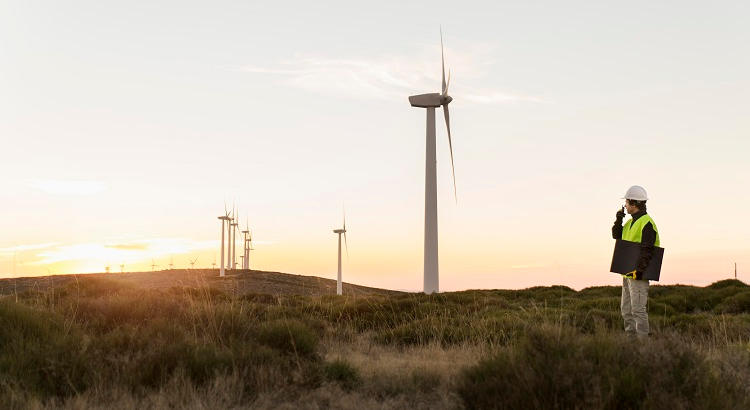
point(557, 368)
point(340, 371)
point(738, 303)
point(38, 355)
point(289, 336)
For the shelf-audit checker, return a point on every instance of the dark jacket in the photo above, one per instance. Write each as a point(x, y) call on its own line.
point(648, 238)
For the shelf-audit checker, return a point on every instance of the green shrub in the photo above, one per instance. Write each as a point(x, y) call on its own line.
point(557, 368)
point(38, 355)
point(289, 336)
point(737, 303)
point(340, 371)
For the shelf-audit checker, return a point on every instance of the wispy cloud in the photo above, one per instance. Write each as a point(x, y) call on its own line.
point(68, 187)
point(24, 248)
point(389, 77)
point(129, 246)
point(127, 252)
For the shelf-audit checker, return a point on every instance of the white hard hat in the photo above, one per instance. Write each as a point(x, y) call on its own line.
point(636, 193)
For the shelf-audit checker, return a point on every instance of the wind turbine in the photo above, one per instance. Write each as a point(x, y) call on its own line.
point(244, 249)
point(249, 247)
point(153, 265)
point(171, 263)
point(224, 220)
point(234, 240)
point(122, 268)
point(192, 262)
point(430, 102)
point(339, 288)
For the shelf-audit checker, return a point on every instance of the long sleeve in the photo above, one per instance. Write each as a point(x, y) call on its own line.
point(617, 228)
point(648, 239)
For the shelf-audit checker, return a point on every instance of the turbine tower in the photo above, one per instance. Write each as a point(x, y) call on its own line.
point(339, 287)
point(430, 102)
point(224, 221)
point(249, 247)
point(234, 240)
point(244, 249)
point(230, 250)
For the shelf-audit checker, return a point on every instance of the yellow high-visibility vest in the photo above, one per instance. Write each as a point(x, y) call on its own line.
point(633, 231)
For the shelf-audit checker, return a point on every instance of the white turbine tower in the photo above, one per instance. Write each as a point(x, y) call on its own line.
point(224, 221)
point(229, 239)
point(430, 102)
point(233, 250)
point(339, 287)
point(245, 263)
point(249, 247)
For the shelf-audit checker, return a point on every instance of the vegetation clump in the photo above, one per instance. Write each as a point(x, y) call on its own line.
point(95, 341)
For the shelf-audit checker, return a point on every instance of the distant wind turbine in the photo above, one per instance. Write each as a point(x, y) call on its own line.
point(192, 263)
point(122, 268)
point(153, 265)
point(430, 102)
point(249, 247)
point(339, 287)
point(244, 249)
point(234, 240)
point(224, 221)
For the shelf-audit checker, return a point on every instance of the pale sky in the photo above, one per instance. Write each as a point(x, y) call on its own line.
point(125, 126)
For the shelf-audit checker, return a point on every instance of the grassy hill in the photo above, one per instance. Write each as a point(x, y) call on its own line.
point(189, 341)
point(236, 282)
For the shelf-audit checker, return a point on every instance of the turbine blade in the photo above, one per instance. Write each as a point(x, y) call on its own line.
point(442, 59)
point(346, 245)
point(450, 144)
point(344, 219)
point(448, 85)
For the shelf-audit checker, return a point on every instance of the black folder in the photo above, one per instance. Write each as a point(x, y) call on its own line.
point(625, 259)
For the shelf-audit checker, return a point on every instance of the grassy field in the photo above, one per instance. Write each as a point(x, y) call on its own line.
point(94, 342)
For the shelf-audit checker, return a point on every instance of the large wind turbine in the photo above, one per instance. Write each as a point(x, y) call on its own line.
point(430, 102)
point(339, 288)
point(224, 220)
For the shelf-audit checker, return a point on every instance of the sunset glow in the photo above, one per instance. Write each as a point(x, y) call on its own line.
point(122, 146)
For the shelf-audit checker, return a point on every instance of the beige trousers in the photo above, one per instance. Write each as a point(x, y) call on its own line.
point(633, 306)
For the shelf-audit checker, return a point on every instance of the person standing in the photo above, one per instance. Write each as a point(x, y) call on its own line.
point(640, 228)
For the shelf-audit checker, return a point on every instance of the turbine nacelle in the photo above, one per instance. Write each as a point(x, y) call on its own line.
point(431, 100)
point(339, 231)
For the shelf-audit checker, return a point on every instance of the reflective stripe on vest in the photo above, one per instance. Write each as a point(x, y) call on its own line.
point(633, 231)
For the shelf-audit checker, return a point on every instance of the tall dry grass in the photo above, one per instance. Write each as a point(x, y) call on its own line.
point(94, 343)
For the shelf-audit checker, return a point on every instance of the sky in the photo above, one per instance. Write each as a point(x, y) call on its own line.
point(126, 127)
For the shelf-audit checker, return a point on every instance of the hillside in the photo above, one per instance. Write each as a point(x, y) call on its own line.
point(185, 339)
point(239, 282)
